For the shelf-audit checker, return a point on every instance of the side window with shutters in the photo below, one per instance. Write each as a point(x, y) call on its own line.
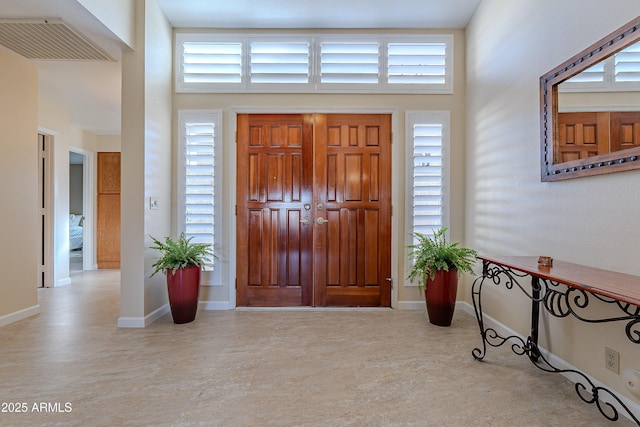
point(427, 134)
point(199, 189)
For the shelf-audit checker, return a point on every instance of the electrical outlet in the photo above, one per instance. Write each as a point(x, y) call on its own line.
point(612, 360)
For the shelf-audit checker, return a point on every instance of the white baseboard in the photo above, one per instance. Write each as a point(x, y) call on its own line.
point(411, 305)
point(559, 363)
point(421, 305)
point(214, 305)
point(19, 315)
point(62, 282)
point(143, 322)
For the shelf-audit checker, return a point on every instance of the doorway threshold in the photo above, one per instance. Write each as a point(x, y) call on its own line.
point(313, 308)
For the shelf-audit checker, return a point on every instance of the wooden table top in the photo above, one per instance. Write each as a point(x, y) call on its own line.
point(619, 286)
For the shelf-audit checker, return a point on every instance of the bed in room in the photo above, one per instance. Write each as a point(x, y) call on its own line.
point(75, 231)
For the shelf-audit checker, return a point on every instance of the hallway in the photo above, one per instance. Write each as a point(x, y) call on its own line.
point(266, 368)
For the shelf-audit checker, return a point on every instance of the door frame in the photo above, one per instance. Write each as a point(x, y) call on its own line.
point(46, 189)
point(397, 179)
point(88, 207)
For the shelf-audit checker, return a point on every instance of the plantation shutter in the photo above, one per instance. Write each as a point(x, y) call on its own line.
point(627, 64)
point(594, 74)
point(199, 183)
point(212, 63)
point(427, 132)
point(313, 63)
point(417, 63)
point(279, 62)
point(349, 62)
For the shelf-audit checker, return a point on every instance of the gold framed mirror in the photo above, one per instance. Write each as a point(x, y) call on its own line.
point(581, 133)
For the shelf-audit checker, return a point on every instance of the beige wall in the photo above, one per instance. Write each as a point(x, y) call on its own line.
point(598, 101)
point(117, 15)
point(109, 143)
point(75, 188)
point(590, 221)
point(397, 104)
point(146, 163)
point(19, 211)
point(157, 165)
point(56, 121)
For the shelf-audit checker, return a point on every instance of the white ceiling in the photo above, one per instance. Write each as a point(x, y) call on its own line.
point(319, 13)
point(90, 91)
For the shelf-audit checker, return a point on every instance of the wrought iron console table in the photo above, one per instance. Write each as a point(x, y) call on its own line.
point(563, 290)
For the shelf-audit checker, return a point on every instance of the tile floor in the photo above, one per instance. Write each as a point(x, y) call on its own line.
point(72, 366)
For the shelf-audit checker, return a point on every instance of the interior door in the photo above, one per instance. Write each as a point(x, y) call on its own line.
point(314, 210)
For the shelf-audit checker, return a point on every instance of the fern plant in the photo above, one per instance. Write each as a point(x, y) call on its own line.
point(180, 253)
point(431, 254)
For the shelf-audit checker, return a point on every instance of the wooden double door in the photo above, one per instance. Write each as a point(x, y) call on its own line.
point(313, 210)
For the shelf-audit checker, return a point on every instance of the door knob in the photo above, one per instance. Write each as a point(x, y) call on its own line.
point(305, 221)
point(321, 220)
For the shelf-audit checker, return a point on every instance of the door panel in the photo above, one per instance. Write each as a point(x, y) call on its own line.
point(314, 210)
point(274, 181)
point(625, 130)
point(352, 251)
point(108, 218)
point(582, 135)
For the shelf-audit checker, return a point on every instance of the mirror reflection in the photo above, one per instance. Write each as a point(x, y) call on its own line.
point(590, 109)
point(599, 108)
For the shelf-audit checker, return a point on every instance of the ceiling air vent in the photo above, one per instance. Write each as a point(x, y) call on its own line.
point(48, 39)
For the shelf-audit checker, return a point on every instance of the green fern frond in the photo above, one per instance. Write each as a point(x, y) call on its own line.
point(180, 253)
point(433, 253)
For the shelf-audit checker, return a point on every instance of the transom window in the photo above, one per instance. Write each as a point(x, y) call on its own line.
point(305, 64)
point(619, 72)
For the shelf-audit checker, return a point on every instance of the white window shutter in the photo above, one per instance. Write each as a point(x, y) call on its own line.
point(349, 62)
point(627, 64)
point(199, 184)
point(427, 177)
point(212, 63)
point(417, 63)
point(427, 138)
point(307, 63)
point(594, 74)
point(281, 62)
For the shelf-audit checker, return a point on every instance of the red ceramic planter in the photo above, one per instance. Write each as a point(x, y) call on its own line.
point(184, 290)
point(441, 297)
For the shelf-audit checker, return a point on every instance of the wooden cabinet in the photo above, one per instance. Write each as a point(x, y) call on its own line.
point(108, 218)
